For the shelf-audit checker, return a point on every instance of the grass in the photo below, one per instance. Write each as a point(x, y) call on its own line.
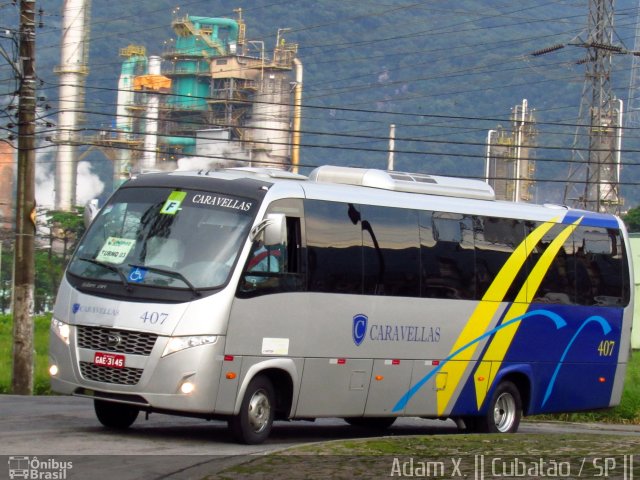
point(627, 412)
point(41, 341)
point(447, 456)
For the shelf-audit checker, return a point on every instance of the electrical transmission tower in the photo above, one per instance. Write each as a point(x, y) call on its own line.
point(593, 181)
point(632, 117)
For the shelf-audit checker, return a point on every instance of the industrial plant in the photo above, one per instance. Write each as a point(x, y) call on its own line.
point(212, 98)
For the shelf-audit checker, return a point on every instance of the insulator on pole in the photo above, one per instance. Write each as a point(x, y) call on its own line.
point(544, 51)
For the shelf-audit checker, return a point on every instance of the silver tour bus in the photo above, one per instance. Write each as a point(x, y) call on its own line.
point(254, 295)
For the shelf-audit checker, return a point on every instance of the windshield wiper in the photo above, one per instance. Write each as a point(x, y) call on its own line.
point(108, 266)
point(170, 273)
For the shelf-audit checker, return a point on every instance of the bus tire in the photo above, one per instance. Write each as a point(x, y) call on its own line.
point(503, 413)
point(118, 416)
point(253, 423)
point(371, 423)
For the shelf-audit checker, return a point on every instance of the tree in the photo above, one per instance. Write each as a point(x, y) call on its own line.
point(632, 219)
point(65, 227)
point(49, 268)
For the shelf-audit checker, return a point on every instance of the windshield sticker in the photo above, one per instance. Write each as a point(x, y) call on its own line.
point(137, 275)
point(222, 202)
point(172, 205)
point(115, 250)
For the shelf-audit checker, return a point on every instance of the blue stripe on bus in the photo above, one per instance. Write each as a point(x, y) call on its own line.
point(591, 219)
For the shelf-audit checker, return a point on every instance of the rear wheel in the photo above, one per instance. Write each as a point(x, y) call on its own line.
point(372, 423)
point(504, 412)
point(253, 423)
point(118, 416)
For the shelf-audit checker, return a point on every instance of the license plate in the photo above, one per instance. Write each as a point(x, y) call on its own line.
point(110, 360)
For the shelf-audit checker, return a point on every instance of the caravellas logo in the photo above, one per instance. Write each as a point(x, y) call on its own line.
point(27, 467)
point(75, 307)
point(359, 328)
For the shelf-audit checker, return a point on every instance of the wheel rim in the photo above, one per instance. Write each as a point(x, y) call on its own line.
point(259, 411)
point(504, 412)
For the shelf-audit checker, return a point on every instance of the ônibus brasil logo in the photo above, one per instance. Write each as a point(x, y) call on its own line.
point(359, 328)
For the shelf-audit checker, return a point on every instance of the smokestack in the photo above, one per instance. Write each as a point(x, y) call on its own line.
point(73, 71)
point(151, 126)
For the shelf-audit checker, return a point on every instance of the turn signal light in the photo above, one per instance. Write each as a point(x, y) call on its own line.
point(230, 375)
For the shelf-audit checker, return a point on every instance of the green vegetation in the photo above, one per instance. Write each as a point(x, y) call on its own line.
point(431, 69)
point(41, 342)
point(632, 219)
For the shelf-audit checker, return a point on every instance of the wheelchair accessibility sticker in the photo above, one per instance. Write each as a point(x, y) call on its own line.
point(137, 275)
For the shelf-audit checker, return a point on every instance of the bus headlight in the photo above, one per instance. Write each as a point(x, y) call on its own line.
point(61, 330)
point(176, 344)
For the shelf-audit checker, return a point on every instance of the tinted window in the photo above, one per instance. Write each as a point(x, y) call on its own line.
point(599, 267)
point(390, 251)
point(558, 283)
point(447, 255)
point(495, 241)
point(334, 247)
point(589, 269)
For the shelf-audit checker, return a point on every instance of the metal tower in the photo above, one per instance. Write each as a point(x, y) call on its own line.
point(632, 117)
point(595, 172)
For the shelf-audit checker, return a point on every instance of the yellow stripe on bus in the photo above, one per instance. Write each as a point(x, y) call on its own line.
point(485, 311)
point(502, 339)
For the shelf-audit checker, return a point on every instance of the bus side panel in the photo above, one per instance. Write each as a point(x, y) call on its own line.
point(572, 356)
point(424, 402)
point(331, 387)
point(574, 362)
point(389, 377)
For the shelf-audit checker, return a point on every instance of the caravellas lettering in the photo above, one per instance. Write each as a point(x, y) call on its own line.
point(223, 202)
point(404, 333)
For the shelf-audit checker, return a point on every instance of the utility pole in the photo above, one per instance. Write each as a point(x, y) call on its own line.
point(392, 147)
point(22, 374)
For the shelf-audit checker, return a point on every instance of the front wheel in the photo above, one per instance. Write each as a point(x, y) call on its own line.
point(253, 423)
point(118, 416)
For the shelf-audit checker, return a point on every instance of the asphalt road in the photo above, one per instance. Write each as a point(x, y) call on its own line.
point(58, 429)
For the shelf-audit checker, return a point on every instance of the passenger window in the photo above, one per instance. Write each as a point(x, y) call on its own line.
point(598, 267)
point(495, 241)
point(447, 255)
point(334, 247)
point(391, 253)
point(558, 284)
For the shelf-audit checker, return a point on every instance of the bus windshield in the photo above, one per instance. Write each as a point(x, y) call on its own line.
point(163, 237)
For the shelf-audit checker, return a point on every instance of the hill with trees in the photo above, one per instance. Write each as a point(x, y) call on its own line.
point(444, 73)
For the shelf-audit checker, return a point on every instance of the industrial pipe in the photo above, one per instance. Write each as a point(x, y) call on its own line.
point(297, 116)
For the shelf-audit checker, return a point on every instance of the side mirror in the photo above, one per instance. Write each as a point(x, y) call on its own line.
point(273, 229)
point(275, 232)
point(91, 209)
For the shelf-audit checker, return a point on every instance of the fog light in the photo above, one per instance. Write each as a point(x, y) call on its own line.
point(53, 370)
point(187, 387)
